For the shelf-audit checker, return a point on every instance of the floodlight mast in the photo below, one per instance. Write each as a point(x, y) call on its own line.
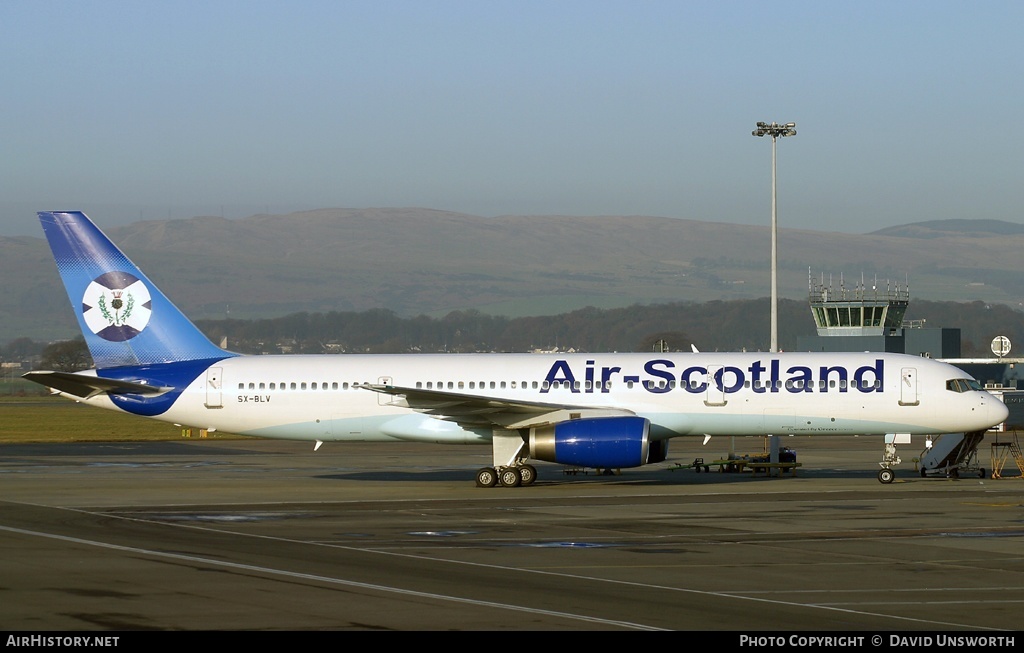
point(775, 130)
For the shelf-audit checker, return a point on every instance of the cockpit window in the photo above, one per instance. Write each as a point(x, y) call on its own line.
point(963, 385)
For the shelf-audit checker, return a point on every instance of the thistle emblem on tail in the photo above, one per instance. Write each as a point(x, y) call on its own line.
point(117, 317)
point(116, 306)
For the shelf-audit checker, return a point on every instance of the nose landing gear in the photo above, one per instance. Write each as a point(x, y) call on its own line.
point(889, 459)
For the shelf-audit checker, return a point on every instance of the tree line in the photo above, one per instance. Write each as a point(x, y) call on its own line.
point(709, 326)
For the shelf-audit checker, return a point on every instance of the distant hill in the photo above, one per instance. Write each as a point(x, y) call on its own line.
point(422, 261)
point(953, 228)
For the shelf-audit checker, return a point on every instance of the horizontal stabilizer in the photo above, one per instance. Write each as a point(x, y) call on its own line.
point(87, 386)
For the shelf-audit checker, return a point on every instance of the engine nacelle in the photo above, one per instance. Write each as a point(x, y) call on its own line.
point(600, 442)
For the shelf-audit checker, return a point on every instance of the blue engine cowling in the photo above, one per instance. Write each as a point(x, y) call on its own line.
point(601, 442)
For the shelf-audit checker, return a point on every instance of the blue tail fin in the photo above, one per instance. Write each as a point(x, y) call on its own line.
point(125, 319)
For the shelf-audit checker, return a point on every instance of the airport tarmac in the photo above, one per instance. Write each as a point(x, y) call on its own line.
point(250, 535)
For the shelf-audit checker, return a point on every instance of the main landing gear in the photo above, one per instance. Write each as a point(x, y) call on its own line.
point(514, 476)
point(509, 467)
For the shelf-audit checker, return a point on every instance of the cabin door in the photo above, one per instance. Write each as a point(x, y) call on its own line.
point(214, 391)
point(908, 387)
point(385, 399)
point(715, 395)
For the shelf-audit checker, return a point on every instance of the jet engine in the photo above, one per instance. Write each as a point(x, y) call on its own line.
point(600, 442)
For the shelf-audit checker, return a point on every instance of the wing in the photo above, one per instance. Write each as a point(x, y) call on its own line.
point(475, 411)
point(86, 386)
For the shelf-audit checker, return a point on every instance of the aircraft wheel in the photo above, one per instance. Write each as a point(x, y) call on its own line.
point(509, 477)
point(924, 473)
point(486, 477)
point(954, 473)
point(886, 476)
point(981, 473)
point(527, 475)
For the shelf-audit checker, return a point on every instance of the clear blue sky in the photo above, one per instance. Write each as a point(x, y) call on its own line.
point(906, 111)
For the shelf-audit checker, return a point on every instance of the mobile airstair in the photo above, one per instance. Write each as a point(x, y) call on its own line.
point(953, 455)
point(1004, 449)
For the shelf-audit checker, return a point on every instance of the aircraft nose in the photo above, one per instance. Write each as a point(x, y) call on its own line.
point(998, 410)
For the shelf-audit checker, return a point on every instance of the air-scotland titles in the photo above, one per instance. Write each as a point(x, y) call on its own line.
point(661, 375)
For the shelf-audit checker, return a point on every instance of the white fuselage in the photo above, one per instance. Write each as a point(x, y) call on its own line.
point(324, 397)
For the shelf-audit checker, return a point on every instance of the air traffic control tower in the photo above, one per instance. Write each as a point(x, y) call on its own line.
point(870, 318)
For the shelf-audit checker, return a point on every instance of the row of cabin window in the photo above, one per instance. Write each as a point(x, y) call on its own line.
point(577, 385)
point(590, 385)
point(299, 386)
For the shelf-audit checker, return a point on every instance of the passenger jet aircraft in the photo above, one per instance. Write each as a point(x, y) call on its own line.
point(602, 411)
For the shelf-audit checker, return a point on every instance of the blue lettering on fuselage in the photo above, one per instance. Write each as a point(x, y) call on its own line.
point(665, 375)
point(660, 376)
